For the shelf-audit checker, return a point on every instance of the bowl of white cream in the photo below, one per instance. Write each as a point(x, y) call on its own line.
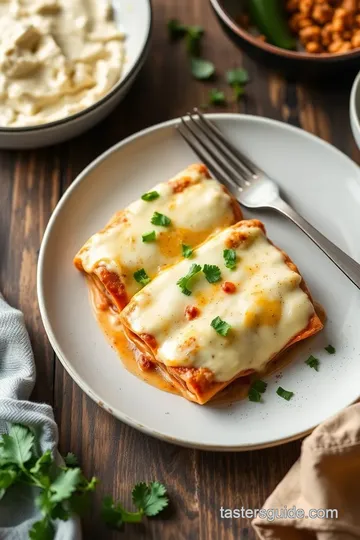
point(65, 64)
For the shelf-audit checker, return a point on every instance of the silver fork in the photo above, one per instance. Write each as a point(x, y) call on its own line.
point(250, 185)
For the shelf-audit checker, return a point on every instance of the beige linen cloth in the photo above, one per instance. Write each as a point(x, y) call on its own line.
point(326, 476)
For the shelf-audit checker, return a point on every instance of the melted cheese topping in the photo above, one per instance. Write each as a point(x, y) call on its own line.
point(57, 57)
point(203, 207)
point(267, 309)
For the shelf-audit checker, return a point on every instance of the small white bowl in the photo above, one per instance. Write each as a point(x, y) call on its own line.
point(355, 109)
point(134, 18)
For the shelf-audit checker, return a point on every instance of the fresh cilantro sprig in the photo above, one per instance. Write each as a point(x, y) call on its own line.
point(237, 78)
point(187, 251)
point(220, 326)
point(230, 258)
point(149, 499)
point(216, 97)
point(64, 490)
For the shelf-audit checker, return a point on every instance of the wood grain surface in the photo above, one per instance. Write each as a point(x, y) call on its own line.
point(31, 183)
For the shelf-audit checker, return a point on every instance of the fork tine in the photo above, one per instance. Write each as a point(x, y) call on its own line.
point(212, 165)
point(237, 165)
point(206, 143)
point(253, 169)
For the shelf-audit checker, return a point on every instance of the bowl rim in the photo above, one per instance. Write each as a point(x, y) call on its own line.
point(354, 115)
point(122, 82)
point(294, 55)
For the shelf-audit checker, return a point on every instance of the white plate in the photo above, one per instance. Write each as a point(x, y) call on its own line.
point(322, 183)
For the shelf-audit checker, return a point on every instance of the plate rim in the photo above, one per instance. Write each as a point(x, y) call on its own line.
point(118, 414)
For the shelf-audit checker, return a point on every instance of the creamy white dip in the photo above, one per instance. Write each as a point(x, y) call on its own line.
point(57, 57)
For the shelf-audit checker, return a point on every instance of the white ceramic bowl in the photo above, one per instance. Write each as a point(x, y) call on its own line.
point(355, 109)
point(134, 18)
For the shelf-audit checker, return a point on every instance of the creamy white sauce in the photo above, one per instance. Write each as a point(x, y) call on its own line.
point(266, 311)
point(199, 210)
point(57, 57)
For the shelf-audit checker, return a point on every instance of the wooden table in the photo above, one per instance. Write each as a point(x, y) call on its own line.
point(31, 183)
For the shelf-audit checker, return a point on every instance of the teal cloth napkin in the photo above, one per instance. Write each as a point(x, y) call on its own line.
point(17, 378)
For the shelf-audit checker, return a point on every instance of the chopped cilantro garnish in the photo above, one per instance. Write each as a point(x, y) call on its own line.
point(150, 196)
point(184, 282)
point(176, 29)
point(187, 251)
point(230, 258)
point(237, 76)
point(149, 237)
point(284, 393)
point(216, 97)
point(220, 326)
point(256, 389)
point(160, 219)
point(202, 69)
point(313, 362)
point(330, 349)
point(141, 277)
point(212, 273)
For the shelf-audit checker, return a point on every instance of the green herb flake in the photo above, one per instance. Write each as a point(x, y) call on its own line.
point(330, 349)
point(285, 394)
point(216, 97)
point(187, 251)
point(313, 362)
point(160, 219)
point(239, 91)
point(141, 277)
point(212, 273)
point(150, 196)
point(193, 39)
point(230, 258)
point(202, 69)
point(149, 237)
point(184, 282)
point(220, 326)
point(256, 389)
point(176, 29)
point(237, 76)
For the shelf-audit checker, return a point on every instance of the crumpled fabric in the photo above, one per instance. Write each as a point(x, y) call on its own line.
point(17, 378)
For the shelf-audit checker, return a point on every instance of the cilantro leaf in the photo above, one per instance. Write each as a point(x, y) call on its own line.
point(230, 258)
point(176, 29)
point(256, 389)
point(71, 460)
point(202, 69)
point(65, 484)
point(284, 393)
point(220, 326)
point(216, 97)
point(17, 447)
point(313, 362)
point(193, 39)
point(42, 530)
point(160, 219)
point(237, 76)
point(330, 349)
point(239, 91)
point(184, 282)
point(187, 251)
point(149, 237)
point(7, 478)
point(150, 196)
point(141, 277)
point(212, 273)
point(151, 498)
point(42, 463)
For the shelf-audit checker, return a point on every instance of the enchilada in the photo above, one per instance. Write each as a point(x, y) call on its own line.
point(226, 313)
point(157, 230)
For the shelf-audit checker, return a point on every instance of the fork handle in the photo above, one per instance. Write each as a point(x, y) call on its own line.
point(346, 264)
